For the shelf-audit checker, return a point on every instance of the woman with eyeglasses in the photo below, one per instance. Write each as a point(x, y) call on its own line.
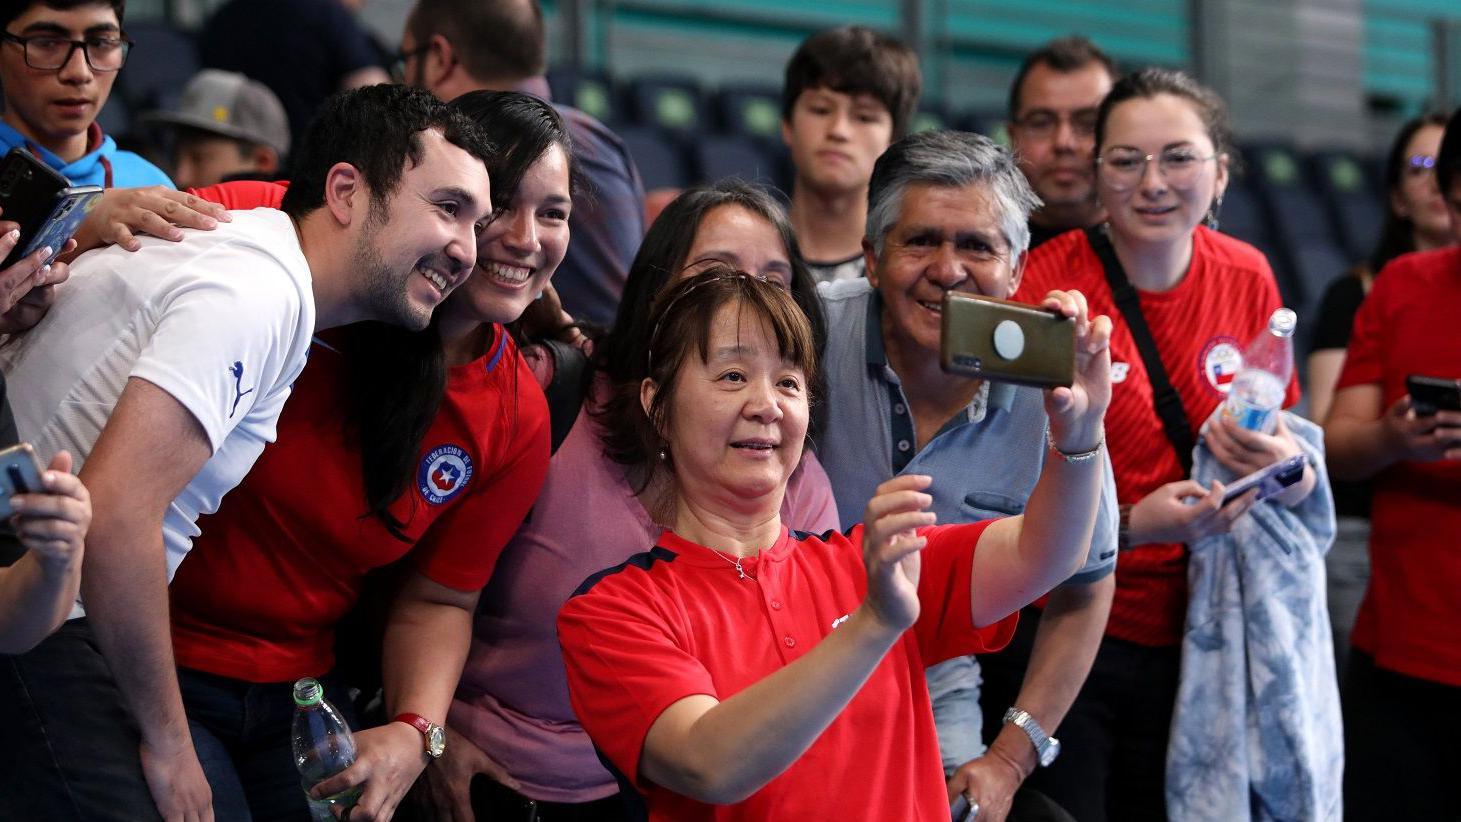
point(1162, 163)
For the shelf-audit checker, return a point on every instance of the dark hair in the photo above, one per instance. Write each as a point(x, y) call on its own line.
point(493, 39)
point(680, 320)
point(1150, 82)
point(1064, 55)
point(396, 378)
point(1448, 159)
point(520, 128)
point(376, 129)
point(856, 60)
point(1397, 233)
point(623, 353)
point(11, 9)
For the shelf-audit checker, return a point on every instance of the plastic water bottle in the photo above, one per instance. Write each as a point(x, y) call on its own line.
point(1268, 365)
point(323, 747)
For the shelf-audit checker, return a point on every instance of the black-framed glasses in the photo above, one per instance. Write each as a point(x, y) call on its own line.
point(1043, 123)
point(398, 65)
point(47, 52)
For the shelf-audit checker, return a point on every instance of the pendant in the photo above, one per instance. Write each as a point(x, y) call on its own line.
point(740, 570)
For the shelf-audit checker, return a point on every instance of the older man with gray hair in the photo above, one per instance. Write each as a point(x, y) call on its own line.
point(949, 211)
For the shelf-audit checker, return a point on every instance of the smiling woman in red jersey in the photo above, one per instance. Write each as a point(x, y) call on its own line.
point(1162, 165)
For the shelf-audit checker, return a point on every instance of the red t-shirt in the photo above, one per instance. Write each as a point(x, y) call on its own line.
point(243, 195)
point(677, 621)
point(283, 559)
point(1410, 619)
point(1201, 328)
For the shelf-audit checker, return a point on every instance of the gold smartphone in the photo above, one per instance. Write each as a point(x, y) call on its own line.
point(1006, 341)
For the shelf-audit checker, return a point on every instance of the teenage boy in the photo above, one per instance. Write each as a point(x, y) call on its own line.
point(1052, 128)
point(226, 127)
point(849, 93)
point(58, 61)
point(164, 371)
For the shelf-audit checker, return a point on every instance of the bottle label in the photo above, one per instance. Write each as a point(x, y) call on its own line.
point(1248, 415)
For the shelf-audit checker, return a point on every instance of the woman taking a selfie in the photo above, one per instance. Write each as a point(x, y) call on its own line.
point(739, 664)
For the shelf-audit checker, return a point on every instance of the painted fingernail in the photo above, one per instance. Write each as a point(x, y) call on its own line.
point(46, 252)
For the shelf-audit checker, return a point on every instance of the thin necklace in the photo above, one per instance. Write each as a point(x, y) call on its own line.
point(736, 562)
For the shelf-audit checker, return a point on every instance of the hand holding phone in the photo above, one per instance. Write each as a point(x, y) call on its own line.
point(962, 810)
point(1006, 341)
point(20, 473)
point(1269, 480)
point(1431, 394)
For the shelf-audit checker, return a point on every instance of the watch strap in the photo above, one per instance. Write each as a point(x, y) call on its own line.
point(416, 721)
point(1042, 741)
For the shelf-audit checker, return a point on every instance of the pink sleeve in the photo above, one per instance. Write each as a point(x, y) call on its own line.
point(945, 627)
point(809, 506)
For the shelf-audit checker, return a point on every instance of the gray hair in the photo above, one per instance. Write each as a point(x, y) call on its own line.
point(954, 159)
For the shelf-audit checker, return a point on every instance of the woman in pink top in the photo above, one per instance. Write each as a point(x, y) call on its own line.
point(515, 746)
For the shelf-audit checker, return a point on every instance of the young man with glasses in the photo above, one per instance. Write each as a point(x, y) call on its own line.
point(58, 61)
point(1052, 126)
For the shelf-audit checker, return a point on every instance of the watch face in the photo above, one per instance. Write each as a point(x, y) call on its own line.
point(1051, 751)
point(435, 741)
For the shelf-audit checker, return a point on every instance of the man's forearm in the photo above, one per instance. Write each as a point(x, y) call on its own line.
point(1066, 641)
point(124, 589)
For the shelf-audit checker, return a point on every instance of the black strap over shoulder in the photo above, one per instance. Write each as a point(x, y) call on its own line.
point(1165, 399)
point(572, 374)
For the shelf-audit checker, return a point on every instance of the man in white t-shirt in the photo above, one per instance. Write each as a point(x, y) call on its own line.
point(164, 371)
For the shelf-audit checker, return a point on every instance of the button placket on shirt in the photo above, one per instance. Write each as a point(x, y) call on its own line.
point(783, 629)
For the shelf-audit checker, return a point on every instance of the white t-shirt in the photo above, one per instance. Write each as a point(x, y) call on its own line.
point(221, 321)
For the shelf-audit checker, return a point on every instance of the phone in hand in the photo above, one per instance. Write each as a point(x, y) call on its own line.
point(1006, 341)
point(71, 207)
point(28, 189)
point(20, 473)
point(1431, 394)
point(962, 810)
point(1269, 480)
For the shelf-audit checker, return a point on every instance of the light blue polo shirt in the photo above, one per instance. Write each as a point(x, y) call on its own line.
point(985, 461)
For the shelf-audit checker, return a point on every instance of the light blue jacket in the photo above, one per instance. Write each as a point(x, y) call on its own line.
point(128, 170)
point(1256, 734)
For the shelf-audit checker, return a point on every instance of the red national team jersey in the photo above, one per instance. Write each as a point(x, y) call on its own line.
point(1410, 620)
point(678, 621)
point(243, 194)
point(1201, 328)
point(282, 561)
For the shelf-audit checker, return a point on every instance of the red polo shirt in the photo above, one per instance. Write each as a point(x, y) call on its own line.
point(1410, 619)
point(678, 621)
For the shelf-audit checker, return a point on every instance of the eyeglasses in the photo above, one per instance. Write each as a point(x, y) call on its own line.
point(398, 65)
point(1420, 165)
point(49, 53)
point(1044, 124)
point(1123, 170)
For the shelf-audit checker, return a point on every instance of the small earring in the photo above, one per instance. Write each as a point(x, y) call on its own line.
point(663, 455)
point(1211, 220)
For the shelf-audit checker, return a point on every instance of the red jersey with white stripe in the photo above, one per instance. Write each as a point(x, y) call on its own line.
point(679, 621)
point(1201, 328)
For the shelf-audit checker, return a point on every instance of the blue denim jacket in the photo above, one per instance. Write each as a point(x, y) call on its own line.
point(1256, 734)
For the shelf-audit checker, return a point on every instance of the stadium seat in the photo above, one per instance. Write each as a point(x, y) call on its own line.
point(753, 111)
point(989, 123)
point(928, 118)
point(1356, 209)
point(713, 157)
point(162, 60)
point(660, 159)
point(1241, 215)
point(671, 104)
point(1297, 217)
point(588, 92)
point(1315, 266)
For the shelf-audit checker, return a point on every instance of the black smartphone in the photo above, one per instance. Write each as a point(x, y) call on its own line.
point(1431, 394)
point(1006, 341)
point(20, 473)
point(71, 207)
point(28, 189)
point(1269, 480)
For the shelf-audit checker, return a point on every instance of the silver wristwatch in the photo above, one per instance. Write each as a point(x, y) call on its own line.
point(1047, 747)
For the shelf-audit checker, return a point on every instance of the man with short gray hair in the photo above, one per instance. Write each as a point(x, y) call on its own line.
point(948, 211)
